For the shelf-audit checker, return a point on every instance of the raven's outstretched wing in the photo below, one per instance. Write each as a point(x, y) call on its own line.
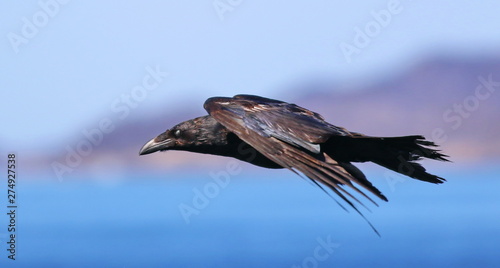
point(289, 135)
point(272, 118)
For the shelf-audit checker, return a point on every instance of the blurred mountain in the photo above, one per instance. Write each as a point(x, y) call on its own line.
point(453, 101)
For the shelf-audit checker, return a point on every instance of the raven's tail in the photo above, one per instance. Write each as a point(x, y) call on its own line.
point(396, 153)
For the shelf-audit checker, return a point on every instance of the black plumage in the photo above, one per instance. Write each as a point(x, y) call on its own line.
point(275, 134)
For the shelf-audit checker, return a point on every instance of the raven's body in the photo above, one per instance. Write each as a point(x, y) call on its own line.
point(275, 134)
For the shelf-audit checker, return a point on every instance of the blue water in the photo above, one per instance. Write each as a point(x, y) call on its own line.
point(260, 219)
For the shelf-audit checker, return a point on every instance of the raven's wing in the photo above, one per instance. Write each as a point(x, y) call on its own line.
point(272, 118)
point(288, 135)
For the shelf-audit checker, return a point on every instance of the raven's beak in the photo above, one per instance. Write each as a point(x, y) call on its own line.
point(154, 145)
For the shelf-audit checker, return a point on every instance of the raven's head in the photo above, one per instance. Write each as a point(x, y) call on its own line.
point(192, 135)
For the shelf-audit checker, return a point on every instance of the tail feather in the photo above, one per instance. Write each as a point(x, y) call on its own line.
point(395, 153)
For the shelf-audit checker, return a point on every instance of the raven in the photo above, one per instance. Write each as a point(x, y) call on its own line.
point(275, 134)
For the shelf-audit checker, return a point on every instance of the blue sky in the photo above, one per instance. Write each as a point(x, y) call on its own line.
point(83, 56)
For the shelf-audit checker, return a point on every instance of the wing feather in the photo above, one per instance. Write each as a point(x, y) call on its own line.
point(284, 121)
point(281, 132)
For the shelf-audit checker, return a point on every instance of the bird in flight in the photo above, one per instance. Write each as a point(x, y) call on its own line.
point(274, 134)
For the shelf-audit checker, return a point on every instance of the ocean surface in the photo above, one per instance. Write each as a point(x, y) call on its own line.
point(252, 219)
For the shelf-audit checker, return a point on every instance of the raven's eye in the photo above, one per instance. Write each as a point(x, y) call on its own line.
point(177, 133)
